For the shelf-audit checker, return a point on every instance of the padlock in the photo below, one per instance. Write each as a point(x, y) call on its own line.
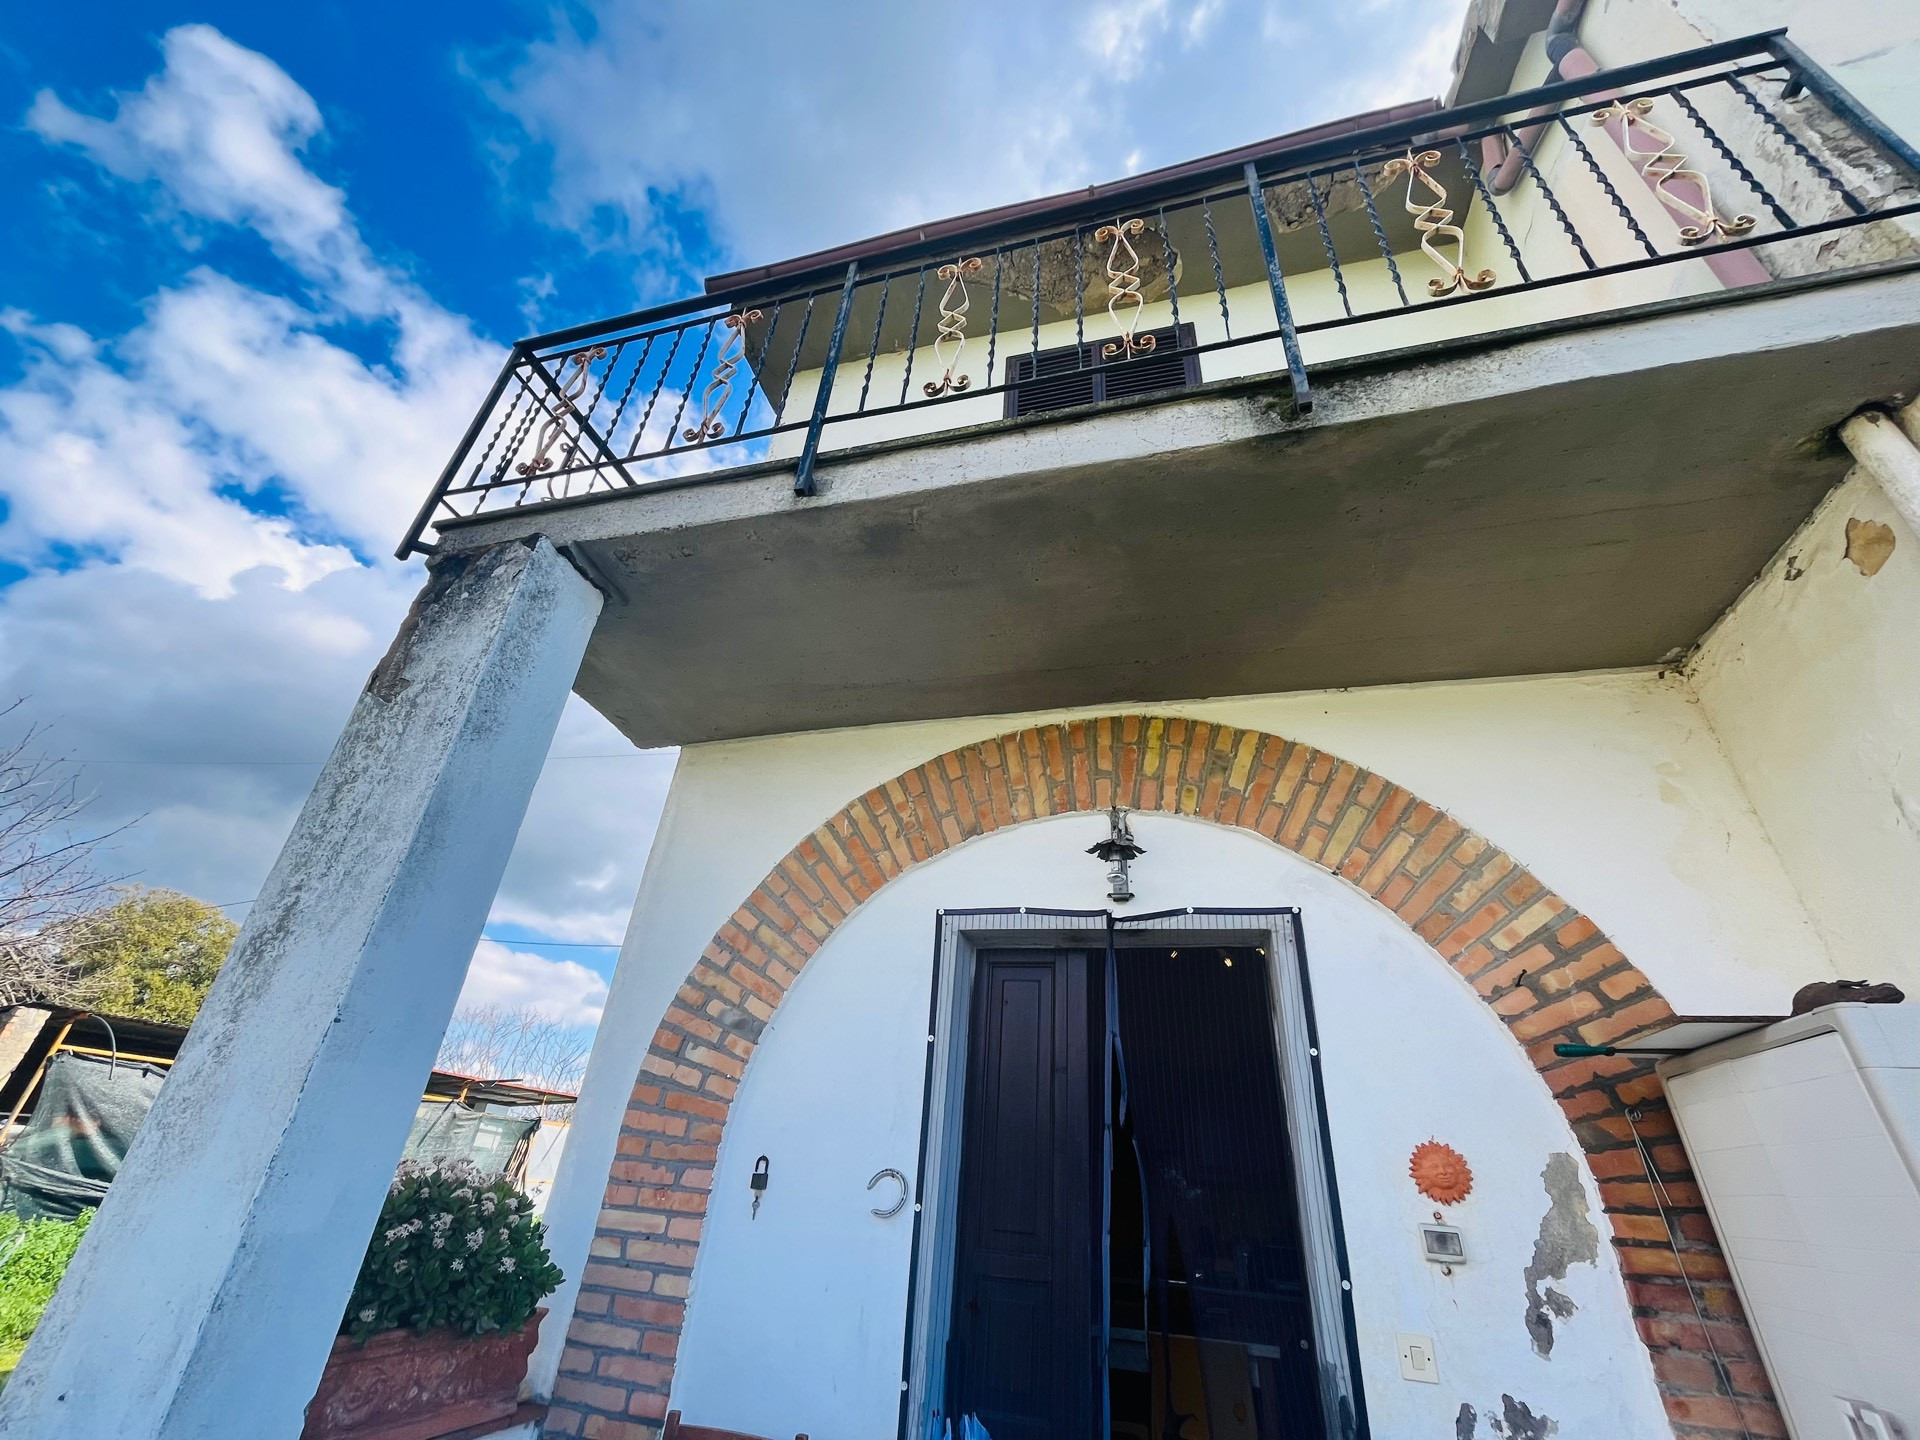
point(759, 1183)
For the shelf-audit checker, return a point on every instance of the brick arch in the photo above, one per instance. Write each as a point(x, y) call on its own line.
point(1543, 968)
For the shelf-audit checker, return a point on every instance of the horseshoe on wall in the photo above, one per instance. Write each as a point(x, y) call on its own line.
point(890, 1174)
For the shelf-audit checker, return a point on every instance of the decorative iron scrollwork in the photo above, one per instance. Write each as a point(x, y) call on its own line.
point(710, 425)
point(1662, 164)
point(1432, 219)
point(1123, 285)
point(555, 425)
point(953, 326)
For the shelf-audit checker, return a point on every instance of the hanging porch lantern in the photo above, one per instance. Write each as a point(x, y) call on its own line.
point(1119, 851)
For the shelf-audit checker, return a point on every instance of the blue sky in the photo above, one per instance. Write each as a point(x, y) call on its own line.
point(258, 263)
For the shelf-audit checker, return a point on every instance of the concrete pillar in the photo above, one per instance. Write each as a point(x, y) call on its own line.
point(1886, 446)
point(204, 1300)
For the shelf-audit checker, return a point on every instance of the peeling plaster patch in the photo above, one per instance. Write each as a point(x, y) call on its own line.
point(1869, 544)
point(1517, 1422)
point(1908, 811)
point(1567, 1237)
point(1464, 1422)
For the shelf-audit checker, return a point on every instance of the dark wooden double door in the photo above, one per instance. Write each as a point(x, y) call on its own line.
point(1093, 1239)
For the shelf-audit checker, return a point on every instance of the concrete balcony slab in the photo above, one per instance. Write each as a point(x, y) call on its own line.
point(1579, 496)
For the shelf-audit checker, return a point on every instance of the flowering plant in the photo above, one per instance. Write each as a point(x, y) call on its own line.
point(453, 1247)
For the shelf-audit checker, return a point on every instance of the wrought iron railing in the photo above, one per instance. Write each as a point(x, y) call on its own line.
point(1735, 165)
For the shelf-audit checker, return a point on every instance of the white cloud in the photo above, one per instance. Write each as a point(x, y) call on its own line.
point(180, 494)
point(224, 386)
point(221, 128)
point(840, 122)
point(563, 991)
point(1415, 68)
point(92, 459)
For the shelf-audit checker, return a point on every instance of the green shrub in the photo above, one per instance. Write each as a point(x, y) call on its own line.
point(33, 1257)
point(452, 1248)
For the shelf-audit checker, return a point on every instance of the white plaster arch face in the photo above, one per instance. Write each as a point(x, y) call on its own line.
point(814, 1290)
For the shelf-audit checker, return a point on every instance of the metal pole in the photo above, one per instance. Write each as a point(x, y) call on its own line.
point(803, 477)
point(425, 513)
point(1282, 311)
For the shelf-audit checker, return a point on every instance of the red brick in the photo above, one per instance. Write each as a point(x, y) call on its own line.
point(616, 1277)
point(1621, 1023)
point(661, 1342)
point(603, 1335)
point(1627, 982)
point(600, 1427)
point(650, 1403)
point(1557, 1016)
point(589, 1392)
point(1535, 918)
point(634, 1222)
point(698, 1105)
point(670, 1314)
point(635, 1371)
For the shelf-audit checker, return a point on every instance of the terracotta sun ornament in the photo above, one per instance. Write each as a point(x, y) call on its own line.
point(1440, 1172)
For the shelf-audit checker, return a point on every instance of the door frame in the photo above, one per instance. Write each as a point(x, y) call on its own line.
point(958, 936)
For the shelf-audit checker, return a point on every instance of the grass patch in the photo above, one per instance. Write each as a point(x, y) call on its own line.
point(33, 1257)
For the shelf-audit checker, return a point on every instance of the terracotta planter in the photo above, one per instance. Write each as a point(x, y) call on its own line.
point(403, 1386)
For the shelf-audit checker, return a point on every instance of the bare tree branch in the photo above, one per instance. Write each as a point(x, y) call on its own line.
point(47, 873)
point(492, 1042)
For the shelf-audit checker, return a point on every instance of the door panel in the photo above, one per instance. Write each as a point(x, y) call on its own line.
point(1020, 1356)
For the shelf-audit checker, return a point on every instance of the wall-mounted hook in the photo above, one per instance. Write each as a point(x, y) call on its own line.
point(890, 1174)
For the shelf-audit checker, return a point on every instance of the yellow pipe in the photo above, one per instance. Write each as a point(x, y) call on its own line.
point(112, 1054)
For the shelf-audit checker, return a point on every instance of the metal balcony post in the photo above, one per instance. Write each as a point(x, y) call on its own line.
point(803, 477)
point(1282, 311)
point(424, 516)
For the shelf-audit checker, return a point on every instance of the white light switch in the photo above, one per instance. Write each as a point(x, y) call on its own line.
point(1416, 1359)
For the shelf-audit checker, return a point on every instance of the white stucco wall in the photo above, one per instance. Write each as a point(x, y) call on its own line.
point(815, 1288)
point(1870, 46)
point(1611, 788)
point(1813, 686)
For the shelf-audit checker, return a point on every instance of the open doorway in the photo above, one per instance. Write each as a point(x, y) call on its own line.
point(1129, 1257)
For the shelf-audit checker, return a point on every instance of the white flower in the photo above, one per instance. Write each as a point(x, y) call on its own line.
point(401, 1263)
point(369, 1315)
point(439, 1242)
point(443, 1220)
point(506, 1264)
point(458, 1265)
point(475, 1239)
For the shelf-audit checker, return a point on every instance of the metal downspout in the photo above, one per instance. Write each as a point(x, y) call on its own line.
point(1570, 62)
